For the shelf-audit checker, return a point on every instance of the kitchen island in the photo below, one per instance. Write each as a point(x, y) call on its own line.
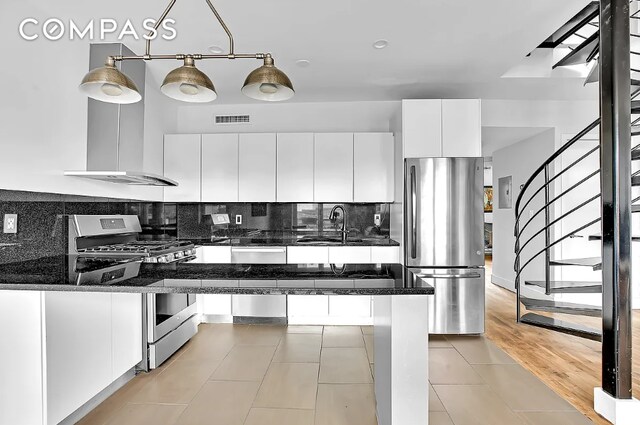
point(401, 309)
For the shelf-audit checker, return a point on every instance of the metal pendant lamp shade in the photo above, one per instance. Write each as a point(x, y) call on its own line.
point(189, 84)
point(108, 84)
point(268, 83)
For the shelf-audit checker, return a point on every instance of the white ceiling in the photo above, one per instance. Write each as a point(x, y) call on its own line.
point(437, 48)
point(496, 138)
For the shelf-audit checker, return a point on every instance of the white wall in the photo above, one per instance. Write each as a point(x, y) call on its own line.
point(519, 161)
point(44, 116)
point(289, 117)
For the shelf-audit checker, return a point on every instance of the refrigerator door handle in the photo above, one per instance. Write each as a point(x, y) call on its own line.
point(414, 212)
point(450, 276)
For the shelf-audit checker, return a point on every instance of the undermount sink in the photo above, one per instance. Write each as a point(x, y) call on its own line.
point(323, 240)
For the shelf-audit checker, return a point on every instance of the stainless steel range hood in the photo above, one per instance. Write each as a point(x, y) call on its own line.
point(115, 133)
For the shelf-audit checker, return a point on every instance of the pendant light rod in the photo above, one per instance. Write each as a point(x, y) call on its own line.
point(157, 25)
point(159, 22)
point(196, 56)
point(224, 26)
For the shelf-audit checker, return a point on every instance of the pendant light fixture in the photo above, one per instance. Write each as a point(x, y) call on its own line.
point(268, 83)
point(108, 84)
point(186, 83)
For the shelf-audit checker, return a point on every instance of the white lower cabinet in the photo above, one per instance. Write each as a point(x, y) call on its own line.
point(385, 254)
point(350, 306)
point(213, 255)
point(72, 345)
point(349, 254)
point(307, 254)
point(307, 306)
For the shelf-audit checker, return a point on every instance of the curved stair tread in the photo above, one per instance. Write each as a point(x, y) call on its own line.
point(552, 306)
point(594, 262)
point(582, 53)
point(568, 286)
point(561, 326)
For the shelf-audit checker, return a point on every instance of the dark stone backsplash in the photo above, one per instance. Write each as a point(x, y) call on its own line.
point(41, 218)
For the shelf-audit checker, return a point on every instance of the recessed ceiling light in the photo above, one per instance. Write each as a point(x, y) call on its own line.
point(216, 50)
point(380, 44)
point(303, 63)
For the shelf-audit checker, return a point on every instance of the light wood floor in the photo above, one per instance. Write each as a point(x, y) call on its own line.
point(568, 364)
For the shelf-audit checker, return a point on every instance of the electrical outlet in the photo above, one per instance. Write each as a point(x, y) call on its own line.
point(376, 220)
point(238, 219)
point(10, 223)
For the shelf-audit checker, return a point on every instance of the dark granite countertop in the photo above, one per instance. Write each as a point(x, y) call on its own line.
point(60, 274)
point(290, 241)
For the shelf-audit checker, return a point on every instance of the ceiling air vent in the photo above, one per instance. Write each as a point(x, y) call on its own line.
point(233, 119)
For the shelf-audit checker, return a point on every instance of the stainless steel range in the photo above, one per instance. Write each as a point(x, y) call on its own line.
point(105, 249)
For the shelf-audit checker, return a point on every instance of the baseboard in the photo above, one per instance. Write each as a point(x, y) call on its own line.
point(84, 410)
point(216, 318)
point(502, 282)
point(331, 321)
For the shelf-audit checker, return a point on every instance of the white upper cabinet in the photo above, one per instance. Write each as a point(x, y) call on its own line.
point(295, 167)
point(220, 168)
point(422, 128)
point(257, 169)
point(461, 128)
point(182, 163)
point(333, 180)
point(373, 167)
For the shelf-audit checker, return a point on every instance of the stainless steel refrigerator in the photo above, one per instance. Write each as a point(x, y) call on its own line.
point(444, 238)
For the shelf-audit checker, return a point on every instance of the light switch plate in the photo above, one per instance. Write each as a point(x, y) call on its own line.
point(376, 219)
point(10, 223)
point(238, 219)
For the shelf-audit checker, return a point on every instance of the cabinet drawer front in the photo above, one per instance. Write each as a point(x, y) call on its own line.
point(262, 255)
point(259, 305)
point(385, 254)
point(308, 305)
point(350, 254)
point(212, 255)
point(307, 254)
point(349, 306)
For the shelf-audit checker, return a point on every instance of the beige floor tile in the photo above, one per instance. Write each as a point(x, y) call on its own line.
point(475, 405)
point(260, 416)
point(367, 330)
point(439, 418)
point(346, 405)
point(555, 418)
point(220, 403)
point(520, 389)
point(435, 405)
point(342, 336)
point(344, 366)
point(206, 350)
point(260, 335)
point(368, 345)
point(438, 341)
point(178, 383)
point(303, 329)
point(447, 366)
point(108, 408)
point(299, 348)
point(479, 350)
point(145, 414)
point(289, 386)
point(245, 363)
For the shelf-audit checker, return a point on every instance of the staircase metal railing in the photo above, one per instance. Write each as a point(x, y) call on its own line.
point(521, 262)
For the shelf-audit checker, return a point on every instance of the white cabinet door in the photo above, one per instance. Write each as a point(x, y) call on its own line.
point(126, 332)
point(182, 164)
point(257, 181)
point(212, 255)
point(373, 167)
point(333, 159)
point(349, 306)
point(307, 254)
point(461, 128)
point(219, 168)
point(385, 254)
point(308, 306)
point(349, 254)
point(214, 304)
point(78, 350)
point(295, 167)
point(422, 128)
